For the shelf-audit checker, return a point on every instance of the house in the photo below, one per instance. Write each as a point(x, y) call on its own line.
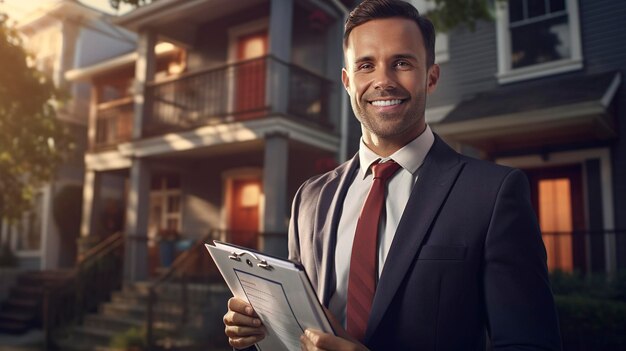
point(219, 131)
point(62, 35)
point(540, 88)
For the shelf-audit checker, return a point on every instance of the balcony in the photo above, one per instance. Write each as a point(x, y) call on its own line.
point(114, 123)
point(235, 92)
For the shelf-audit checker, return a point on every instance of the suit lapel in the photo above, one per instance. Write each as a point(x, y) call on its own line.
point(436, 177)
point(328, 213)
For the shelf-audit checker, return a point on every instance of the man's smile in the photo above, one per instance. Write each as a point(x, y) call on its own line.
point(387, 102)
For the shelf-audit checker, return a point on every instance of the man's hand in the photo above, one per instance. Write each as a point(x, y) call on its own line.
point(315, 340)
point(243, 327)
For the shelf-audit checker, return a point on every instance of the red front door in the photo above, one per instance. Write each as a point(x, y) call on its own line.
point(244, 212)
point(557, 196)
point(250, 73)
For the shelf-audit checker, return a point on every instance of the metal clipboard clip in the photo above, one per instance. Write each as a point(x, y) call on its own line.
point(236, 256)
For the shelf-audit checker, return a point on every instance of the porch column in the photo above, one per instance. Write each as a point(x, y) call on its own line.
point(144, 73)
point(281, 16)
point(91, 208)
point(275, 190)
point(136, 245)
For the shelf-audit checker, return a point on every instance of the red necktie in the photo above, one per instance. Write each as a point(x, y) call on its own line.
point(363, 272)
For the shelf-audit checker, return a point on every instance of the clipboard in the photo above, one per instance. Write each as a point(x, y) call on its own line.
point(279, 291)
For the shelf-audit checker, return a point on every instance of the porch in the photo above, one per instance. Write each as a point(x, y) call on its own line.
point(236, 92)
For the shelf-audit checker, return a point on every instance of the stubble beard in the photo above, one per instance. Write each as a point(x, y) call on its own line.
point(391, 125)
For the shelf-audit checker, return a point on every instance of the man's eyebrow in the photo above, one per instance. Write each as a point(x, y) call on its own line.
point(363, 59)
point(405, 56)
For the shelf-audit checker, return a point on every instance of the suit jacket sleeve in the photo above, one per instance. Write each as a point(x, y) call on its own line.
point(518, 299)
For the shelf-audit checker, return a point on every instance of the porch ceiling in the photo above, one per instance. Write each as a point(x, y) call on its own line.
point(564, 111)
point(177, 20)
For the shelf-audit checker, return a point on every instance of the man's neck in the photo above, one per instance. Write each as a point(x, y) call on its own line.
point(385, 147)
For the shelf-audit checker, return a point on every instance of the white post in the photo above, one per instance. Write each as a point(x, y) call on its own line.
point(275, 191)
point(136, 257)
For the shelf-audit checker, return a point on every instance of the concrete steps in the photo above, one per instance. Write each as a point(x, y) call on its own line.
point(22, 310)
point(128, 309)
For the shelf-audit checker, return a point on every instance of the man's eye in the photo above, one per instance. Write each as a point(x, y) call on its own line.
point(366, 66)
point(402, 64)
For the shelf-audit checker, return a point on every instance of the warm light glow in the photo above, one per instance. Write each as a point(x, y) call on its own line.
point(254, 47)
point(555, 216)
point(250, 195)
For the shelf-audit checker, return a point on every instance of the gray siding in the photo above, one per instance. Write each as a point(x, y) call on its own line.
point(473, 66)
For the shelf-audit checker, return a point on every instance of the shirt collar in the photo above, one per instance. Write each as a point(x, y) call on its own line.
point(410, 156)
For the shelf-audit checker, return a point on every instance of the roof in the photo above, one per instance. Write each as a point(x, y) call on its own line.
point(568, 110)
point(537, 95)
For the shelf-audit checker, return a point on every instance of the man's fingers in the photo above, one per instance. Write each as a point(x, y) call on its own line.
point(238, 319)
point(240, 306)
point(317, 340)
point(238, 331)
point(242, 343)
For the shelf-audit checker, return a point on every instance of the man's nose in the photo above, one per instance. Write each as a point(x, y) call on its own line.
point(384, 79)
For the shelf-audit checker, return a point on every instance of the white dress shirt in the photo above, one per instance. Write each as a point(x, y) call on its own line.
point(399, 187)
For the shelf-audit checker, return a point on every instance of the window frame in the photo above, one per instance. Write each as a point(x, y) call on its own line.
point(507, 74)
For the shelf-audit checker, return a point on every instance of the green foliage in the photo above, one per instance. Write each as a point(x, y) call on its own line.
point(596, 286)
point(592, 310)
point(33, 141)
point(591, 324)
point(133, 338)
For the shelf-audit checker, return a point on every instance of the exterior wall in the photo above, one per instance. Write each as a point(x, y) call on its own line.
point(600, 20)
point(211, 48)
point(473, 67)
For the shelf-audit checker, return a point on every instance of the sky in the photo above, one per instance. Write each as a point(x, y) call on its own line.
point(18, 8)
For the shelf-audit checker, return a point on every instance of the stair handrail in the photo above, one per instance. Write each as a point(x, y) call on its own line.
point(69, 291)
point(103, 247)
point(177, 268)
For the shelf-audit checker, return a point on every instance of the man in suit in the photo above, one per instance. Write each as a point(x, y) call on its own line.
point(447, 254)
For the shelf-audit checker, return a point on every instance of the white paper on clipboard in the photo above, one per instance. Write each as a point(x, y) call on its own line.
point(278, 290)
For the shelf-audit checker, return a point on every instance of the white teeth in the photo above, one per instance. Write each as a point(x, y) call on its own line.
point(386, 102)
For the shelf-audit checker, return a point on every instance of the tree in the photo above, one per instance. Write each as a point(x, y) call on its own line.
point(446, 15)
point(33, 142)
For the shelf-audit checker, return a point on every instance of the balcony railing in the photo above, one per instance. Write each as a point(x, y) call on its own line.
point(114, 122)
point(241, 91)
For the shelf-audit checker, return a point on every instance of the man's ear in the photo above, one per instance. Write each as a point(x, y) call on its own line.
point(345, 79)
point(433, 78)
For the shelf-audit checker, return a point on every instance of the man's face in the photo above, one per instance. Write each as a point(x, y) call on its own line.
point(387, 79)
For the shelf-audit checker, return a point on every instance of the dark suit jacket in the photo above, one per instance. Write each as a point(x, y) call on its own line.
point(467, 261)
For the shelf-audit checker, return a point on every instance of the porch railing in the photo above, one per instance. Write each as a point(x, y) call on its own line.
point(97, 274)
point(114, 122)
point(581, 250)
point(187, 303)
point(239, 91)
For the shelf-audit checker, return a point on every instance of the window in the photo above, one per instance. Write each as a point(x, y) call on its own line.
point(537, 38)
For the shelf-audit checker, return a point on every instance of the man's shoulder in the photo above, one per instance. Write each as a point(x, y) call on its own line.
point(317, 182)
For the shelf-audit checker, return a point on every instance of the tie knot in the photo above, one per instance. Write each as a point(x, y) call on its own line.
point(384, 170)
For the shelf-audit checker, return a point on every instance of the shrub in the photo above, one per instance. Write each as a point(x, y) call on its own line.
point(591, 324)
point(131, 339)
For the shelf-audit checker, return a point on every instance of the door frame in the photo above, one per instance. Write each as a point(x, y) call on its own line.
point(553, 159)
point(228, 178)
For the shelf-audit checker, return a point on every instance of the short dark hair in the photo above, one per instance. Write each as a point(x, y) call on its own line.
point(378, 9)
